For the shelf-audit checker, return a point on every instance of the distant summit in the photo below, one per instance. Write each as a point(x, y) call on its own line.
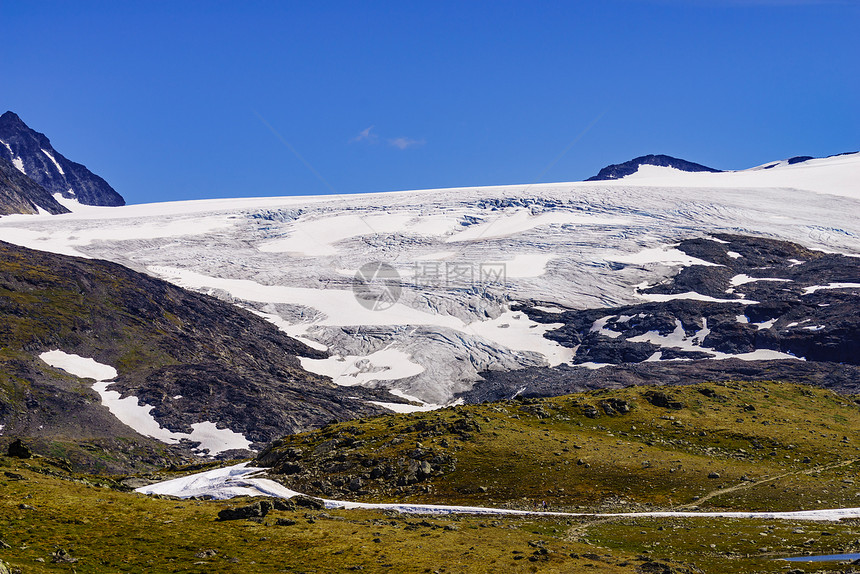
point(619, 170)
point(32, 154)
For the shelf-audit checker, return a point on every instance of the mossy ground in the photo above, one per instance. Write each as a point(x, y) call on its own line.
point(775, 447)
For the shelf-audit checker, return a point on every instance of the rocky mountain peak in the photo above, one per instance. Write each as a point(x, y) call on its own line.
point(619, 170)
point(33, 155)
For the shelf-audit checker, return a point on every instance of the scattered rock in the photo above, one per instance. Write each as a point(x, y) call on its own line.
point(18, 449)
point(308, 502)
point(207, 553)
point(661, 399)
point(257, 510)
point(713, 474)
point(61, 556)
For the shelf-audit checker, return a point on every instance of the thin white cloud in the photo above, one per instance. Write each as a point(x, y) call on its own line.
point(405, 143)
point(365, 135)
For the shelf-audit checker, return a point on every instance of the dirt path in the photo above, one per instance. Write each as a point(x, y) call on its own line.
point(750, 484)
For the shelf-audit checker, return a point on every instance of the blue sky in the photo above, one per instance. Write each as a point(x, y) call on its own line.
point(186, 100)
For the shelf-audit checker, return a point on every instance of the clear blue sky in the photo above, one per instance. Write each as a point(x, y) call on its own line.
point(171, 100)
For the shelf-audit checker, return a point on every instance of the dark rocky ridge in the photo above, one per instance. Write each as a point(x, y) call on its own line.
point(20, 194)
point(229, 366)
point(71, 179)
point(822, 326)
point(619, 170)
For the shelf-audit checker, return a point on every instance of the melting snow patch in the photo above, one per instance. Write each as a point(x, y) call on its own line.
point(742, 319)
point(766, 324)
point(814, 288)
point(743, 279)
point(405, 408)
point(50, 157)
point(734, 254)
point(242, 480)
point(383, 365)
point(593, 366)
point(599, 327)
point(132, 414)
point(546, 309)
point(660, 297)
point(665, 255)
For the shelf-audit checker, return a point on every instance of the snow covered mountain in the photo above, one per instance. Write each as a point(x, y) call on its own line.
point(621, 170)
point(32, 154)
point(470, 294)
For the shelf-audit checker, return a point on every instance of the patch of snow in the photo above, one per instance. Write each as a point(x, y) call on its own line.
point(16, 161)
point(742, 319)
point(137, 416)
point(516, 331)
point(599, 326)
point(78, 366)
point(814, 288)
point(665, 255)
point(815, 328)
point(297, 331)
point(384, 365)
point(795, 262)
point(678, 339)
point(594, 366)
point(743, 279)
point(546, 309)
point(734, 254)
point(660, 297)
point(244, 480)
point(54, 161)
point(404, 408)
point(765, 324)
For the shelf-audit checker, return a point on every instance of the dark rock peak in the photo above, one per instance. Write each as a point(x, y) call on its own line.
point(619, 170)
point(32, 153)
point(20, 194)
point(799, 159)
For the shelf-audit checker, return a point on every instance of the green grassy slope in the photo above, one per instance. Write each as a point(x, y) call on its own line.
point(750, 446)
point(775, 447)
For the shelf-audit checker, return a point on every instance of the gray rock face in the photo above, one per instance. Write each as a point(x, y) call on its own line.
point(32, 154)
point(768, 296)
point(20, 194)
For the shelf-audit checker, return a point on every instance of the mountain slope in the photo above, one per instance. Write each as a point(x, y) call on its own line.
point(192, 358)
point(582, 247)
point(32, 154)
point(620, 170)
point(20, 194)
